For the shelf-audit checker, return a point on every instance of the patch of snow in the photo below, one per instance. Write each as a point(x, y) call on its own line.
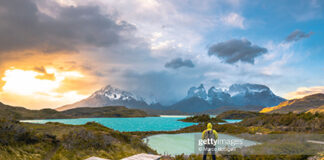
point(116, 94)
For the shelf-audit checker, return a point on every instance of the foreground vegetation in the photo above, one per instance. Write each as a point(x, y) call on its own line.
point(244, 157)
point(65, 142)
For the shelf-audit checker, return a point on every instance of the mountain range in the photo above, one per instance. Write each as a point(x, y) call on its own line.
point(237, 96)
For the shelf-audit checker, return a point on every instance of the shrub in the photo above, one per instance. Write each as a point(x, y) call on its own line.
point(12, 132)
point(202, 118)
point(83, 139)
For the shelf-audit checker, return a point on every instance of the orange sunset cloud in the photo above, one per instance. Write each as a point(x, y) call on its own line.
point(304, 91)
point(41, 87)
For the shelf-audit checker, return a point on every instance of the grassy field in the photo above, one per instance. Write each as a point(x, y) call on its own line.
point(65, 142)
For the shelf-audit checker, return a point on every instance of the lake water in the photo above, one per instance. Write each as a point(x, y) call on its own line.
point(164, 123)
point(176, 144)
point(127, 124)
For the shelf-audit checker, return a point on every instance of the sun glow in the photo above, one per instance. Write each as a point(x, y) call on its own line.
point(28, 82)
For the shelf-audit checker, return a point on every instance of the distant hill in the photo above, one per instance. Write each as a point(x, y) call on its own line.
point(308, 103)
point(22, 113)
point(237, 114)
point(222, 109)
point(319, 109)
point(109, 111)
point(297, 122)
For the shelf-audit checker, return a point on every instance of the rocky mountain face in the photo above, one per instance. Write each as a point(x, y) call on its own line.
point(238, 96)
point(199, 92)
point(109, 96)
point(198, 99)
point(312, 103)
point(218, 97)
point(253, 95)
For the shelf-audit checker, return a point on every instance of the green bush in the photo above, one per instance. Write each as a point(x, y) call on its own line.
point(202, 118)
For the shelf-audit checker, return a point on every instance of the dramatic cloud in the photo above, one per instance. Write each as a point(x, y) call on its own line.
point(101, 40)
point(236, 50)
point(304, 91)
point(162, 86)
point(44, 74)
point(178, 62)
point(297, 35)
point(25, 27)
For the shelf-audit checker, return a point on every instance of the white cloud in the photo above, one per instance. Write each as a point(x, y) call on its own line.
point(168, 44)
point(66, 3)
point(234, 20)
point(274, 62)
point(155, 36)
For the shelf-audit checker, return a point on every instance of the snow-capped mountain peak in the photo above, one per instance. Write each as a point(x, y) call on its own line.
point(115, 94)
point(248, 88)
point(217, 94)
point(197, 92)
point(215, 90)
point(237, 95)
point(109, 96)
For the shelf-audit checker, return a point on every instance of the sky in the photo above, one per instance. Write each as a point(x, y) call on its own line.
point(56, 52)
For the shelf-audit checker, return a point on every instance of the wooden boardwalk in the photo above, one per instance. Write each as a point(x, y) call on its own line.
point(142, 156)
point(317, 142)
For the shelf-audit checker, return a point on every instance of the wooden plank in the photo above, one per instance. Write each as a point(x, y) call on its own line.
point(143, 156)
point(318, 142)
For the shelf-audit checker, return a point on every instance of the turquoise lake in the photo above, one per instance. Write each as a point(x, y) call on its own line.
point(127, 124)
point(163, 123)
point(184, 143)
